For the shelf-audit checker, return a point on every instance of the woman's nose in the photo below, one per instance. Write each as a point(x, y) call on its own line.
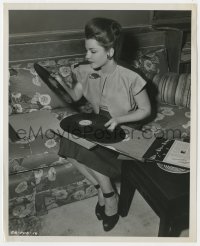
point(87, 56)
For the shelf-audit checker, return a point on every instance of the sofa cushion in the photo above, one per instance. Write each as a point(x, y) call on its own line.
point(22, 207)
point(38, 123)
point(22, 215)
point(26, 226)
point(171, 122)
point(33, 162)
point(28, 93)
point(58, 196)
point(19, 149)
point(21, 184)
point(57, 175)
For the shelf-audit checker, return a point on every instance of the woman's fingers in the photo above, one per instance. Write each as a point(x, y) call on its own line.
point(111, 128)
point(111, 124)
point(69, 84)
point(107, 123)
point(55, 75)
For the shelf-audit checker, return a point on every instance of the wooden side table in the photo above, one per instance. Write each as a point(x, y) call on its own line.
point(166, 193)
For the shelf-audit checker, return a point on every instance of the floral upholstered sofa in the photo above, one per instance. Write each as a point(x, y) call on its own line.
point(40, 180)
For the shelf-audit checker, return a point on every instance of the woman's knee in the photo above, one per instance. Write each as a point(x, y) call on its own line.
point(76, 163)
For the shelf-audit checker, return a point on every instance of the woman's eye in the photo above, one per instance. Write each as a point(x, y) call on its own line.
point(93, 51)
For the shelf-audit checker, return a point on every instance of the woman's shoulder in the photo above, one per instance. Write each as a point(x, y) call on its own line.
point(128, 72)
point(132, 79)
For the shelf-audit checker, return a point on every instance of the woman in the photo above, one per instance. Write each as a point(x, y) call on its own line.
point(114, 91)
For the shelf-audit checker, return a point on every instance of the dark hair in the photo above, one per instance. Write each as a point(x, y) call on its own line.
point(105, 31)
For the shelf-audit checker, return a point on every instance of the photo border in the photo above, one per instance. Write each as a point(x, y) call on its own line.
point(193, 153)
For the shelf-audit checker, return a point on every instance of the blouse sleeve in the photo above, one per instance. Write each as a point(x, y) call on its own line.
point(137, 84)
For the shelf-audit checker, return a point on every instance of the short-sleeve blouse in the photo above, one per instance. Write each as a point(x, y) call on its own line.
point(117, 89)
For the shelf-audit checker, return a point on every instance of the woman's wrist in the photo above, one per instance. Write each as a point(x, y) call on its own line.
point(120, 120)
point(124, 119)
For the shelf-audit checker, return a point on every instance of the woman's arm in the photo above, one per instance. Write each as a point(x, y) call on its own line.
point(143, 111)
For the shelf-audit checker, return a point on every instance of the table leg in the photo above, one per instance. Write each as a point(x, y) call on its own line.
point(126, 195)
point(165, 226)
point(172, 227)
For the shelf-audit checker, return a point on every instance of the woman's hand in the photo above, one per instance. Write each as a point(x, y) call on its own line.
point(76, 91)
point(57, 77)
point(62, 80)
point(112, 123)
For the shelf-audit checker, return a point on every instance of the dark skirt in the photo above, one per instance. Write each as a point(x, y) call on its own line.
point(100, 159)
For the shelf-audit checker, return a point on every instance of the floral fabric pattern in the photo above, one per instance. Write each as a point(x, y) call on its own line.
point(56, 176)
point(41, 180)
point(171, 122)
point(63, 195)
point(151, 61)
point(27, 92)
point(27, 226)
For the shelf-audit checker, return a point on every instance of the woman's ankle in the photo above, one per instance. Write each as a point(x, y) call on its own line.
point(101, 199)
point(111, 205)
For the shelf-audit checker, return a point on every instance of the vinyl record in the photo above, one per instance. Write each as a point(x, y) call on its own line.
point(91, 127)
point(172, 169)
point(51, 82)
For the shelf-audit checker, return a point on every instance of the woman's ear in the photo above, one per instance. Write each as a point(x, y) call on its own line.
point(110, 53)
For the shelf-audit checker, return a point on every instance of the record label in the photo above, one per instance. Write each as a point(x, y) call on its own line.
point(85, 122)
point(91, 127)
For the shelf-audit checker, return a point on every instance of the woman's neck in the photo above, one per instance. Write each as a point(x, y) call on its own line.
point(109, 67)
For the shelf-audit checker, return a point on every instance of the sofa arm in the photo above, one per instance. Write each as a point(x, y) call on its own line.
point(173, 88)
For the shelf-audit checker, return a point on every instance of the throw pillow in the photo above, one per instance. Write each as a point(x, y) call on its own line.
point(151, 61)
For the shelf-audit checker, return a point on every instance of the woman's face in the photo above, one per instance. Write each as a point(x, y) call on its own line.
point(96, 54)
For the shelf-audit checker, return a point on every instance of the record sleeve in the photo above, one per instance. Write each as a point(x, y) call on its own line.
point(169, 151)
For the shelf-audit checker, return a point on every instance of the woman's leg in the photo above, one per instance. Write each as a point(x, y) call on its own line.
point(82, 168)
point(111, 203)
point(88, 173)
point(109, 212)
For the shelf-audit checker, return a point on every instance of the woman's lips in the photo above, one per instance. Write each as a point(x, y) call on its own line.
point(92, 64)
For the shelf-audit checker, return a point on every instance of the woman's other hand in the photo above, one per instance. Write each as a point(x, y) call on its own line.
point(111, 124)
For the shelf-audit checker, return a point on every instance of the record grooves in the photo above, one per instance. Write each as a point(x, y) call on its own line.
point(52, 83)
point(91, 127)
